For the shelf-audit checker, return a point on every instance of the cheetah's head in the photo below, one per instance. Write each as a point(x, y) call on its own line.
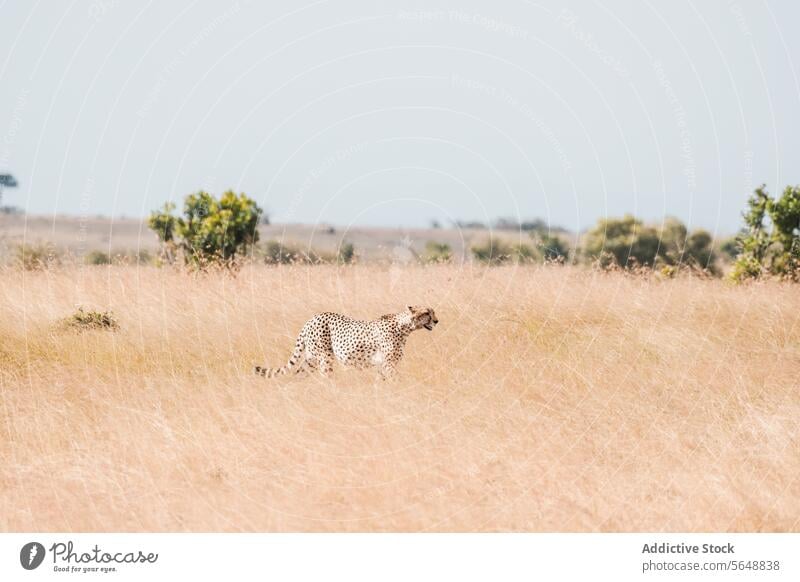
point(423, 317)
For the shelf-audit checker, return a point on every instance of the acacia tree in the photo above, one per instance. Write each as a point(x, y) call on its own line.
point(770, 244)
point(210, 230)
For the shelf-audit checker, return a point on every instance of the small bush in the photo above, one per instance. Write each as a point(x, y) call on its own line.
point(491, 252)
point(552, 248)
point(498, 252)
point(770, 245)
point(278, 253)
point(118, 258)
point(436, 252)
point(522, 253)
point(37, 257)
point(86, 320)
point(746, 267)
point(346, 254)
point(142, 257)
point(98, 258)
point(669, 271)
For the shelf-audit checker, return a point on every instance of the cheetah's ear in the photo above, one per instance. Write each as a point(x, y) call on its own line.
point(410, 308)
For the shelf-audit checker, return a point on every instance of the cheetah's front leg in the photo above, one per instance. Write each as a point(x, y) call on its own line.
point(388, 368)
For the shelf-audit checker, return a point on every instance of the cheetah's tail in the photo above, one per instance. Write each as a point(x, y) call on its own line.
point(291, 365)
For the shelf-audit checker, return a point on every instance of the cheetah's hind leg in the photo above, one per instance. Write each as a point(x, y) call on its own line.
point(325, 364)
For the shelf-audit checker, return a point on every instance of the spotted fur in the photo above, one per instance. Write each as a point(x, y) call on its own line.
point(330, 336)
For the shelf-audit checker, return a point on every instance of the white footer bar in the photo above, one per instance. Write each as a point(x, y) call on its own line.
point(372, 557)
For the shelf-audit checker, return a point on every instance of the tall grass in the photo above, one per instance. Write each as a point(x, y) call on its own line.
point(547, 399)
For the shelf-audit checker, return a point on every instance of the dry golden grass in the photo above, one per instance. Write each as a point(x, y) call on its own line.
point(549, 399)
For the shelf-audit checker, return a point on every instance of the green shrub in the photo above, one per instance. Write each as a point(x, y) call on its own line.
point(491, 252)
point(346, 254)
point(436, 252)
point(552, 248)
point(96, 257)
point(210, 230)
point(498, 252)
point(699, 251)
point(142, 257)
point(279, 253)
point(522, 253)
point(668, 271)
point(746, 267)
point(87, 320)
point(774, 248)
point(622, 242)
point(37, 257)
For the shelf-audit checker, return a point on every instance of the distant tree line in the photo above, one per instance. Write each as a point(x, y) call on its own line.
point(510, 224)
point(629, 243)
point(219, 230)
point(614, 243)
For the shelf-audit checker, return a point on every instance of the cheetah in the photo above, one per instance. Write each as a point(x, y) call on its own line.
point(330, 336)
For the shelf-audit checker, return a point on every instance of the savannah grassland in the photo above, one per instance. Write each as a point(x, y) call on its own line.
point(547, 399)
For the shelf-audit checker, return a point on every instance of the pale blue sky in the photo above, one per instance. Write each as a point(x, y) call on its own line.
point(393, 114)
